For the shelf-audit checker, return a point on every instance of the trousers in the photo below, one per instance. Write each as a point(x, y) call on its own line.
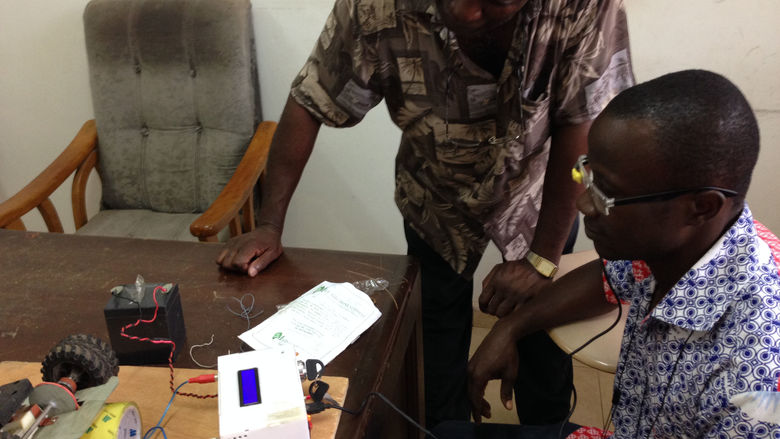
point(543, 388)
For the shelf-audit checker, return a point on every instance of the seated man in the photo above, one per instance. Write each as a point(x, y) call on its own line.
point(668, 167)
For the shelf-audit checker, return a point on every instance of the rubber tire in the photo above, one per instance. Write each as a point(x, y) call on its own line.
point(87, 365)
point(88, 340)
point(97, 351)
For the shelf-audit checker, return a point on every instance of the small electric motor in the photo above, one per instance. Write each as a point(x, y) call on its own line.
point(78, 361)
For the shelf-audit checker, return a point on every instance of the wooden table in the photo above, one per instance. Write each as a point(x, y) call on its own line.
point(186, 415)
point(53, 285)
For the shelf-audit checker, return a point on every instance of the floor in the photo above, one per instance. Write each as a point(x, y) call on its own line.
point(594, 387)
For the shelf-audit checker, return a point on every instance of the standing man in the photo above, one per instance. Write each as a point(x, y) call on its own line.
point(495, 98)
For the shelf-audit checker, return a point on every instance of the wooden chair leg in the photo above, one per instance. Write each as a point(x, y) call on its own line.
point(235, 226)
point(50, 217)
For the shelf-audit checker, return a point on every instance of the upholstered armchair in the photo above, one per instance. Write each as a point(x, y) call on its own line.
point(177, 139)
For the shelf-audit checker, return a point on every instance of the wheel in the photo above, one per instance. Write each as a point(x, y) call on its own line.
point(88, 340)
point(83, 362)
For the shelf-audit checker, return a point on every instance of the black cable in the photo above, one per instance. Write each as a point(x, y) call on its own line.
point(607, 422)
point(668, 385)
point(335, 405)
point(616, 392)
point(612, 326)
point(119, 295)
point(573, 405)
point(588, 342)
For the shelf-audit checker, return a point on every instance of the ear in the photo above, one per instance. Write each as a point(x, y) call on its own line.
point(706, 205)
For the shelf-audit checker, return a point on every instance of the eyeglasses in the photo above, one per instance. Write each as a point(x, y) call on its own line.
point(492, 140)
point(581, 173)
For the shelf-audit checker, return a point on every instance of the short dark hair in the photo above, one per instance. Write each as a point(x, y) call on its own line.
point(705, 130)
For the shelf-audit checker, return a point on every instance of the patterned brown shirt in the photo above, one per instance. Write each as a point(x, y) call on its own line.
point(456, 189)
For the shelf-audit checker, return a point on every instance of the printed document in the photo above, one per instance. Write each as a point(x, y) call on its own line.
point(319, 324)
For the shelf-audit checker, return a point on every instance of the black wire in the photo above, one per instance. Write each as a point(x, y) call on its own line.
point(618, 379)
point(589, 341)
point(612, 326)
point(132, 301)
point(335, 405)
point(668, 385)
point(607, 422)
point(573, 405)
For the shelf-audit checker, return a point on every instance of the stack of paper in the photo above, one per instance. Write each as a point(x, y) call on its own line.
point(320, 324)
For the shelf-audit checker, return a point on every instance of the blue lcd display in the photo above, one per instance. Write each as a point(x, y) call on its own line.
point(248, 387)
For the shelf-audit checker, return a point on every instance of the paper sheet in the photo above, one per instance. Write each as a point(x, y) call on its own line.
point(319, 324)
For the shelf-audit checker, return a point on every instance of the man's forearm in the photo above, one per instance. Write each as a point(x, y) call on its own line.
point(560, 192)
point(577, 295)
point(290, 150)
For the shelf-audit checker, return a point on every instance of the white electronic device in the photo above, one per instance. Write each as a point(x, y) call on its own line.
point(260, 396)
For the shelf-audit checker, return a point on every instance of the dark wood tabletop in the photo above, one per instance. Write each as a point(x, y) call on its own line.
point(53, 285)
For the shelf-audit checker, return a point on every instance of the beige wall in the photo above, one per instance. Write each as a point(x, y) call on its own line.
point(345, 198)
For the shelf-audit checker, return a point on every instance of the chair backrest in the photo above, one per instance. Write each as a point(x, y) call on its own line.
point(176, 100)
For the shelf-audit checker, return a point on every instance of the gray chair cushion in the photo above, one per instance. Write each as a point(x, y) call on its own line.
point(175, 95)
point(137, 223)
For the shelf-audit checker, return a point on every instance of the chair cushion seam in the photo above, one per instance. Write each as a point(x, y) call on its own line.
point(188, 43)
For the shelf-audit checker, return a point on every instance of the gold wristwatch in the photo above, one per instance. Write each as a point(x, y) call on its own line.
point(544, 266)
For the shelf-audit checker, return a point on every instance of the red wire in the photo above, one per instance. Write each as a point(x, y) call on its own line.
point(160, 341)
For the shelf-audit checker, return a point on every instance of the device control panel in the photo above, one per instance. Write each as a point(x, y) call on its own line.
point(260, 396)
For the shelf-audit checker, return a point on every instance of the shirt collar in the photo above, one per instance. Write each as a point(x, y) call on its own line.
point(696, 302)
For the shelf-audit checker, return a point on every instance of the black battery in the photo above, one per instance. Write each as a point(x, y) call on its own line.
point(122, 310)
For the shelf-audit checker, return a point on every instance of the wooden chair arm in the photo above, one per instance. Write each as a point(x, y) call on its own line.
point(36, 193)
point(78, 193)
point(239, 188)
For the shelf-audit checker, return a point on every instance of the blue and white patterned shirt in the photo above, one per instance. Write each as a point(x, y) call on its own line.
point(714, 335)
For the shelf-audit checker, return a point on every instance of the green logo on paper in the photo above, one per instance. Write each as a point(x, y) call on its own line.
point(278, 336)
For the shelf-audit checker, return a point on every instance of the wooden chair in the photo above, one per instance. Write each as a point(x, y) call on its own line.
point(177, 138)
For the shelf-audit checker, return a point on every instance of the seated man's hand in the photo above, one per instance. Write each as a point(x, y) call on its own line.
point(496, 358)
point(508, 285)
point(253, 251)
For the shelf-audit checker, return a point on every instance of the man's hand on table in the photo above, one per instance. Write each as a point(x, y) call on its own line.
point(508, 285)
point(252, 252)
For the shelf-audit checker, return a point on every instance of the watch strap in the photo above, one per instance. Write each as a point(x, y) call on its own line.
point(543, 266)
